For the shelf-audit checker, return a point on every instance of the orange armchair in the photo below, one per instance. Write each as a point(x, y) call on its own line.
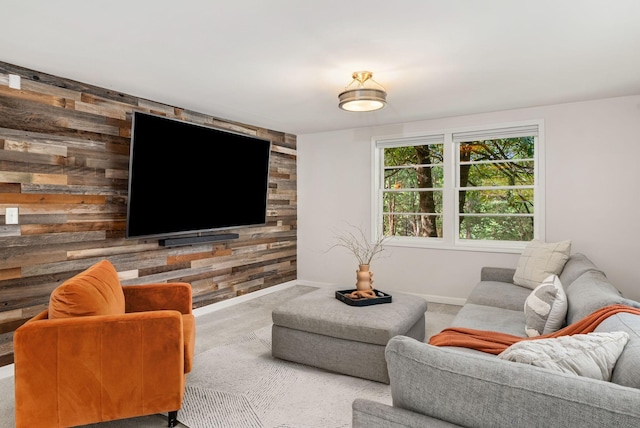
point(103, 351)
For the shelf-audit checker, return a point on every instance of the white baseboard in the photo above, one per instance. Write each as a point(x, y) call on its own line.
point(456, 301)
point(235, 300)
point(316, 283)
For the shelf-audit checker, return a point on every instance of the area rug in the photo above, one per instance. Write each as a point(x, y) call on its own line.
point(240, 384)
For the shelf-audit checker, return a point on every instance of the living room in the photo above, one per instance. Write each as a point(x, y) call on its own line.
point(584, 52)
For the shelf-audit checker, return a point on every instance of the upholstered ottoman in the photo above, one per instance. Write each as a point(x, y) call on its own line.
point(319, 330)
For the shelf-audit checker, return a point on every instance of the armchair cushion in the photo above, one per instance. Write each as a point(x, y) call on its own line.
point(96, 291)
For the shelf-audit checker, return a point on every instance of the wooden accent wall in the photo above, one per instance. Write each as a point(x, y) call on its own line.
point(64, 156)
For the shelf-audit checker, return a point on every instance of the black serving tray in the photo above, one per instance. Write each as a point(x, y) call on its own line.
point(382, 298)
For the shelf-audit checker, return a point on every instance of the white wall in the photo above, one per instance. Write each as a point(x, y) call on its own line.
point(592, 198)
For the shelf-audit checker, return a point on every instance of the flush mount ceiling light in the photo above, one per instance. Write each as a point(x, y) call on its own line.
point(362, 94)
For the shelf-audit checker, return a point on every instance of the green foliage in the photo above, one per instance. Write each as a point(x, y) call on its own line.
point(496, 197)
point(497, 228)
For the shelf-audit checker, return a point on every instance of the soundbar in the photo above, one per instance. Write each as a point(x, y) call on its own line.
point(187, 240)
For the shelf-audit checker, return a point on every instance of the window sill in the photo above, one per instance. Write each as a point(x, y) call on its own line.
point(439, 244)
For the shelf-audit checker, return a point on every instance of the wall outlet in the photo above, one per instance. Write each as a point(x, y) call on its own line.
point(14, 81)
point(11, 216)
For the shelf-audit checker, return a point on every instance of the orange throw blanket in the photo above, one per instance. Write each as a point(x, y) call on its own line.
point(494, 342)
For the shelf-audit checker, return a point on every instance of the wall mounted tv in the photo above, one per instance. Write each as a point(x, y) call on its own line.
point(187, 179)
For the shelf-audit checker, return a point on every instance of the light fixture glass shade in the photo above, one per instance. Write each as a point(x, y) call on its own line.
point(362, 94)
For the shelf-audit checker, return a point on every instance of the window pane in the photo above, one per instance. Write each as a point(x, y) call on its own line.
point(413, 225)
point(413, 177)
point(507, 201)
point(497, 174)
point(499, 149)
point(413, 155)
point(497, 228)
point(412, 202)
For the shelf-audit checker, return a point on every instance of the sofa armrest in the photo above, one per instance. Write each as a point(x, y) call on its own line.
point(154, 297)
point(478, 391)
point(94, 368)
point(498, 274)
point(369, 414)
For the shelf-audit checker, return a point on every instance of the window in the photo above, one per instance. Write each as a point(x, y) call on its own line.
point(462, 188)
point(413, 182)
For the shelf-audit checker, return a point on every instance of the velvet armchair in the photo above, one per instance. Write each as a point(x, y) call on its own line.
point(103, 351)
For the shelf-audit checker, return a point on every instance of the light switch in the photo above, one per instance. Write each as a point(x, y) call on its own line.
point(11, 216)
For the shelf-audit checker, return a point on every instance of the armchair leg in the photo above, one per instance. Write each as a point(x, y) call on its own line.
point(172, 419)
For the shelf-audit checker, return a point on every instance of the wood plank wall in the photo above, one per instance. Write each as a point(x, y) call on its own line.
point(64, 154)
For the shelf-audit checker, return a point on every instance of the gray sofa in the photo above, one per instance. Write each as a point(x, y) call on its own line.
point(449, 386)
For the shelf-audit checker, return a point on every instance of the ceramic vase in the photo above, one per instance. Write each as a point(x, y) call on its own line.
point(364, 278)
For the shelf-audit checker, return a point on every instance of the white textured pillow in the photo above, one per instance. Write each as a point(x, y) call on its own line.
point(591, 355)
point(539, 260)
point(546, 308)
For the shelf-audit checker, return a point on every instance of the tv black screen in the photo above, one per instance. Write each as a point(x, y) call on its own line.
point(186, 178)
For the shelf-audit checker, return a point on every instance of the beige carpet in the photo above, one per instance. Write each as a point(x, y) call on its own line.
point(241, 385)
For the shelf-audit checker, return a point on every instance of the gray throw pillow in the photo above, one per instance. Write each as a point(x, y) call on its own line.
point(545, 309)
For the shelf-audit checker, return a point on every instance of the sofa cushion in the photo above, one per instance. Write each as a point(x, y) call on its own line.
point(539, 260)
point(545, 309)
point(499, 294)
point(576, 265)
point(592, 355)
point(96, 291)
point(592, 291)
point(627, 369)
point(490, 318)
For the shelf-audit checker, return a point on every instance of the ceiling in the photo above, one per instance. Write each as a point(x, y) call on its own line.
point(280, 64)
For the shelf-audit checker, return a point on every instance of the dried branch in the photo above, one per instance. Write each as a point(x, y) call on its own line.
point(359, 245)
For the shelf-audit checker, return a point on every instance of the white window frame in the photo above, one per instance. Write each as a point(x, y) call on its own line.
point(450, 191)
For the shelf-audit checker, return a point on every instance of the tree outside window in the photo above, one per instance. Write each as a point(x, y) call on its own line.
point(496, 189)
point(412, 196)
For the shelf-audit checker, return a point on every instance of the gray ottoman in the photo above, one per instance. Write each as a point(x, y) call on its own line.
point(317, 329)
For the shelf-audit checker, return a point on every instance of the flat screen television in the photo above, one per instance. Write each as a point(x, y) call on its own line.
point(187, 179)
